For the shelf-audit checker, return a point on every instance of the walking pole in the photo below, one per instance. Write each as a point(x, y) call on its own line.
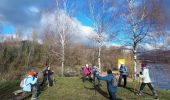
point(48, 85)
point(53, 79)
point(94, 83)
point(135, 86)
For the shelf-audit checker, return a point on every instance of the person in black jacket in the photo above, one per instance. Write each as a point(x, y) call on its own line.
point(47, 73)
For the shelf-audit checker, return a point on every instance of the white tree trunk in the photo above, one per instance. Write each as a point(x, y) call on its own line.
point(99, 63)
point(135, 65)
point(134, 28)
point(62, 62)
point(134, 51)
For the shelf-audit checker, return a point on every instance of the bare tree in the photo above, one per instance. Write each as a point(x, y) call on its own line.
point(138, 27)
point(146, 20)
point(59, 31)
point(102, 16)
point(60, 26)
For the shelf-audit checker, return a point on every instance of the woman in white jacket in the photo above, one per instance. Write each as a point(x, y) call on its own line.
point(144, 74)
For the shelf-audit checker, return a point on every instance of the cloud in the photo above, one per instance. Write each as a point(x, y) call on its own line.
point(7, 37)
point(25, 13)
point(79, 33)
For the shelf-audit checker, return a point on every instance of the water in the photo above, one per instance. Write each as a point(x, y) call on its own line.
point(160, 75)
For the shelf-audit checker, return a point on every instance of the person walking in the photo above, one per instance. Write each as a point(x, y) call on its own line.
point(47, 76)
point(123, 74)
point(111, 89)
point(144, 74)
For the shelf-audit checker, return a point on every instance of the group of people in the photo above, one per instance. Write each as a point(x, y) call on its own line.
point(31, 84)
point(31, 81)
point(89, 72)
point(112, 90)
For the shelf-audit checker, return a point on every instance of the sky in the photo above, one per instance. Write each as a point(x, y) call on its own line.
point(27, 15)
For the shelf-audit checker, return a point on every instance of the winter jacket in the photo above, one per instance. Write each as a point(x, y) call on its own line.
point(86, 70)
point(47, 73)
point(29, 82)
point(123, 70)
point(108, 79)
point(145, 76)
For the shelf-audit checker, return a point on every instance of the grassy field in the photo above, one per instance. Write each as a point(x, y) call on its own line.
point(74, 89)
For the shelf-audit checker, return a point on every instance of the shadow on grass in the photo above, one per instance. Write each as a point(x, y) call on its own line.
point(132, 90)
point(86, 79)
point(97, 89)
point(100, 91)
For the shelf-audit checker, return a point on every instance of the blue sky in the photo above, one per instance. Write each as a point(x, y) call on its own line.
point(26, 14)
point(8, 29)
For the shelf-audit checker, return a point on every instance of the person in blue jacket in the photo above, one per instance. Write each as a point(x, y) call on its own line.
point(111, 90)
point(123, 74)
point(29, 88)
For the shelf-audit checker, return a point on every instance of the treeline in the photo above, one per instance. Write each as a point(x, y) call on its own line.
point(156, 56)
point(21, 56)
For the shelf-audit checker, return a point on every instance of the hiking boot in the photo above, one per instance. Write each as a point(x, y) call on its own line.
point(33, 98)
point(155, 97)
point(139, 93)
point(155, 94)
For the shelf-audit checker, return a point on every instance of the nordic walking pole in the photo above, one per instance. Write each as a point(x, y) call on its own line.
point(137, 85)
point(134, 88)
point(94, 83)
point(53, 79)
point(48, 84)
point(139, 82)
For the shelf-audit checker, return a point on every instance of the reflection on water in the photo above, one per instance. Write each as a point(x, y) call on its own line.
point(160, 75)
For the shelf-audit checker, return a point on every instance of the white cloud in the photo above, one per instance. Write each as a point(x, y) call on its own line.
point(7, 37)
point(33, 9)
point(79, 32)
point(148, 46)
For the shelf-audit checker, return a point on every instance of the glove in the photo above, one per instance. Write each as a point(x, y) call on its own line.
point(140, 73)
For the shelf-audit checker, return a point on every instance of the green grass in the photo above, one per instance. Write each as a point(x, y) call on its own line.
point(6, 89)
point(71, 89)
point(75, 89)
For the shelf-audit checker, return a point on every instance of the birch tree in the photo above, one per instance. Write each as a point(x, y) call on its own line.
point(146, 19)
point(59, 31)
point(102, 15)
point(60, 25)
point(138, 27)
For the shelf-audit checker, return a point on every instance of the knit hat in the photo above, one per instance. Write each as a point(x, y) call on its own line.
point(143, 65)
point(32, 73)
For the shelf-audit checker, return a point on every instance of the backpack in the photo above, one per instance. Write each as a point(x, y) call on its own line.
point(114, 82)
point(23, 82)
